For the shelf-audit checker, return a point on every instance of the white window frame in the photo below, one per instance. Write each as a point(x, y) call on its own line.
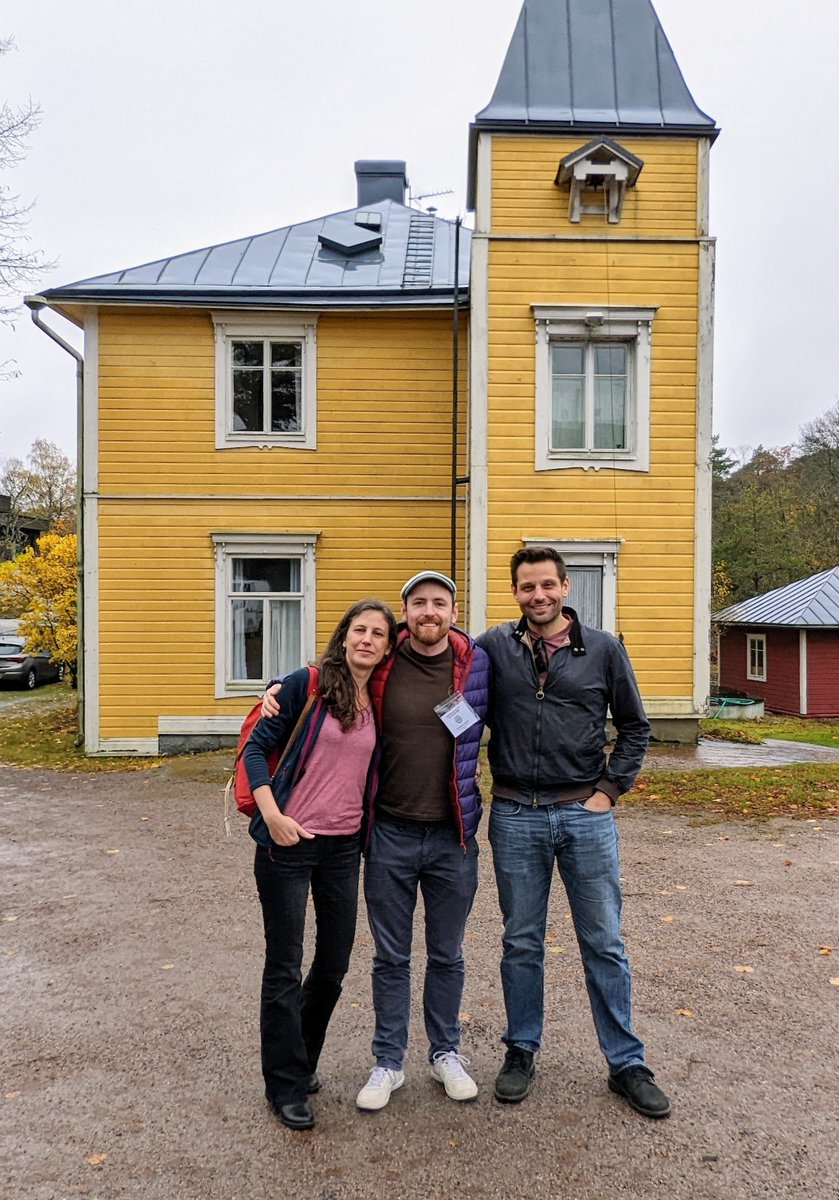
point(229, 546)
point(591, 552)
point(595, 324)
point(230, 327)
point(755, 642)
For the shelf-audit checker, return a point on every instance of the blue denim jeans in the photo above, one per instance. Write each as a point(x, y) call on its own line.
point(405, 856)
point(294, 1015)
point(526, 842)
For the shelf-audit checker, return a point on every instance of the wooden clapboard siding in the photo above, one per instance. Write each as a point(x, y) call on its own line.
point(383, 459)
point(157, 589)
point(384, 392)
point(652, 512)
point(526, 199)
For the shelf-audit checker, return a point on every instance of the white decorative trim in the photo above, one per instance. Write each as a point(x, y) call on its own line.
point(266, 324)
point(591, 552)
point(703, 176)
point(756, 639)
point(483, 195)
point(124, 747)
point(803, 682)
point(200, 725)
point(89, 453)
point(478, 526)
point(282, 544)
point(703, 551)
point(595, 323)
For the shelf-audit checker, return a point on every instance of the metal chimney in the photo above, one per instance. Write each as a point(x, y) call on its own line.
point(380, 179)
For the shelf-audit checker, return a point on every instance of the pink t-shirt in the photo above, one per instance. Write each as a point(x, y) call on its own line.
point(329, 798)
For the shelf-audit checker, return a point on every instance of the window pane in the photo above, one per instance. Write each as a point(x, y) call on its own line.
point(286, 354)
point(568, 424)
point(247, 401)
point(609, 413)
point(586, 595)
point(610, 360)
point(247, 354)
point(266, 574)
point(285, 401)
point(247, 629)
point(567, 360)
point(285, 651)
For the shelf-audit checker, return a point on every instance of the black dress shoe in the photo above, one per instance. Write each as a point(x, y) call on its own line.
point(296, 1116)
point(515, 1079)
point(312, 1083)
point(638, 1087)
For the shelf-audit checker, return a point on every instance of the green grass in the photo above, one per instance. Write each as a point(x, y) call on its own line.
point(809, 790)
point(38, 729)
point(824, 732)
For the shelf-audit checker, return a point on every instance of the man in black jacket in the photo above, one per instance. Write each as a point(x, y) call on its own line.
point(553, 793)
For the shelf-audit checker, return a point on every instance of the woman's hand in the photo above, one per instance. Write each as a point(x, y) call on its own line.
point(285, 831)
point(270, 706)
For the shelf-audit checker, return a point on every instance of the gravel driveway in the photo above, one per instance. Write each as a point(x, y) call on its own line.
point(130, 956)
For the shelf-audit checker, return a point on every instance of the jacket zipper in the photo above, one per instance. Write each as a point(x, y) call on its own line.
point(540, 696)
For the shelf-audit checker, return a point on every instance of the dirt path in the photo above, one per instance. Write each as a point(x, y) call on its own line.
point(130, 956)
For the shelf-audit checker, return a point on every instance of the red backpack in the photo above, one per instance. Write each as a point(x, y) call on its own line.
point(238, 783)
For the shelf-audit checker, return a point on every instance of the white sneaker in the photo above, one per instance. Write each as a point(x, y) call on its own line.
point(448, 1068)
point(376, 1091)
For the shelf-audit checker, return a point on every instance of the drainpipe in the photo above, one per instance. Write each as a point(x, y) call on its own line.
point(456, 479)
point(35, 304)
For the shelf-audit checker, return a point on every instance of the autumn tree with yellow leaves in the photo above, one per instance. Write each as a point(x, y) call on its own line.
point(39, 587)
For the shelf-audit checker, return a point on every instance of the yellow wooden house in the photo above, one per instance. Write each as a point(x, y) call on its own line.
point(277, 425)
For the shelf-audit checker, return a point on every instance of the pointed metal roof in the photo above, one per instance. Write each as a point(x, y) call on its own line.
point(811, 603)
point(414, 265)
point(593, 64)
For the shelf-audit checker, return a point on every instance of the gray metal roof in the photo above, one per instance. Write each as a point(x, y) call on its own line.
point(593, 64)
point(288, 266)
point(811, 603)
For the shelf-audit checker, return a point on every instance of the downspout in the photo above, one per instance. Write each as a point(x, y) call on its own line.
point(35, 304)
point(456, 479)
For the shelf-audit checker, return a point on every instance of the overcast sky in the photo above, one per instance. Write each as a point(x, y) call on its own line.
point(170, 125)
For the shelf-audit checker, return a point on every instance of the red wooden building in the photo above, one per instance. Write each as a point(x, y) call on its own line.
point(784, 646)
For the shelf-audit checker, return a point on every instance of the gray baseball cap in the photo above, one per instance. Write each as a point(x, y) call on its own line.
point(433, 577)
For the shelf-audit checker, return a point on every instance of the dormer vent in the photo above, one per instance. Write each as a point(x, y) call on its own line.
point(598, 175)
point(369, 220)
point(348, 238)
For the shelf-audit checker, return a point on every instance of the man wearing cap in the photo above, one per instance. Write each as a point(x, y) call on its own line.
point(553, 792)
point(430, 699)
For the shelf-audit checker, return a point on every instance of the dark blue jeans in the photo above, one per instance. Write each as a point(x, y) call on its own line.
point(404, 856)
point(527, 843)
point(294, 1018)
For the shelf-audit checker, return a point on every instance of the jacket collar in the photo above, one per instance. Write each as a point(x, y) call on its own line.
point(575, 633)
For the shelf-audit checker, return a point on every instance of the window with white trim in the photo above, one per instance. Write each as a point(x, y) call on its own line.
point(592, 567)
point(264, 608)
point(756, 656)
point(265, 382)
point(593, 387)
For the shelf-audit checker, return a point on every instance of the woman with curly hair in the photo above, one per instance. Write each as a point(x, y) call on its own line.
point(308, 836)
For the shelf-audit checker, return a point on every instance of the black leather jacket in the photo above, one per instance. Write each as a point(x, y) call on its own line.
point(545, 738)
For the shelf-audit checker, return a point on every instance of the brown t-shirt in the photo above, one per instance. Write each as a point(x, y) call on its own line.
point(417, 749)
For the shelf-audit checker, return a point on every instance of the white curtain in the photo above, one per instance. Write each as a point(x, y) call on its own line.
point(586, 595)
point(285, 651)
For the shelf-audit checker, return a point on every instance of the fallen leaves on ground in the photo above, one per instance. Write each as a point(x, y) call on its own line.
point(743, 969)
point(808, 790)
point(684, 1012)
point(825, 950)
point(96, 1160)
